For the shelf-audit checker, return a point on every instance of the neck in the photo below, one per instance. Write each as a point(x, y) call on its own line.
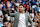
point(23, 12)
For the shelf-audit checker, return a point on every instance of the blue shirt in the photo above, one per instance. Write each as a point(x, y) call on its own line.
point(1, 24)
point(23, 2)
point(17, 0)
point(34, 2)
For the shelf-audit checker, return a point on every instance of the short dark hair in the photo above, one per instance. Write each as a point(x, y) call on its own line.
point(26, 1)
point(21, 5)
point(39, 5)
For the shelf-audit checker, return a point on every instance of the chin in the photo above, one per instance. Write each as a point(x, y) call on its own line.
point(19, 10)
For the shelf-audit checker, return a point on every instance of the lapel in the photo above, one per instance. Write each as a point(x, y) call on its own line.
point(18, 14)
point(26, 16)
point(17, 19)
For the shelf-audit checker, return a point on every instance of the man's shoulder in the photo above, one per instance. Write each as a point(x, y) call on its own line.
point(27, 13)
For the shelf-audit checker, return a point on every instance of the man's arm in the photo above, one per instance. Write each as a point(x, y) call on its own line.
point(11, 14)
point(29, 18)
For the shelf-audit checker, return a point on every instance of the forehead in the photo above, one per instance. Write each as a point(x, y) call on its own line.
point(20, 6)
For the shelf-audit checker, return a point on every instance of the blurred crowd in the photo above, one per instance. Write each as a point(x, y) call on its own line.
point(32, 7)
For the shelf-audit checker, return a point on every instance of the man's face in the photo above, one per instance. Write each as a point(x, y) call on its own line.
point(26, 2)
point(21, 8)
point(39, 14)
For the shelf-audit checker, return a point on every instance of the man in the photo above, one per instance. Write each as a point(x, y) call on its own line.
point(21, 18)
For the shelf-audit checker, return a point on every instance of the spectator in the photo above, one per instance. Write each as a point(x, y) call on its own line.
point(39, 7)
point(5, 18)
point(1, 21)
point(17, 4)
point(1, 12)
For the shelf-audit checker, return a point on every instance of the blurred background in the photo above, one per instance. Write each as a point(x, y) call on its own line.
point(32, 7)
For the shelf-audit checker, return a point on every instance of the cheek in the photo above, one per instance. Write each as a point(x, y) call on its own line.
point(39, 14)
point(19, 8)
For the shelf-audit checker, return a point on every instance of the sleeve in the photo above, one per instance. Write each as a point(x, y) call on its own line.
point(29, 18)
point(11, 14)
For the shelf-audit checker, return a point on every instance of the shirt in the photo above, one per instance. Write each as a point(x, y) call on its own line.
point(39, 9)
point(1, 25)
point(22, 21)
point(1, 13)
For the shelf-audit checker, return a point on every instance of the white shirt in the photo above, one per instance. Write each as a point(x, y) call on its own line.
point(39, 9)
point(1, 19)
point(32, 14)
point(22, 21)
point(17, 4)
point(1, 13)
